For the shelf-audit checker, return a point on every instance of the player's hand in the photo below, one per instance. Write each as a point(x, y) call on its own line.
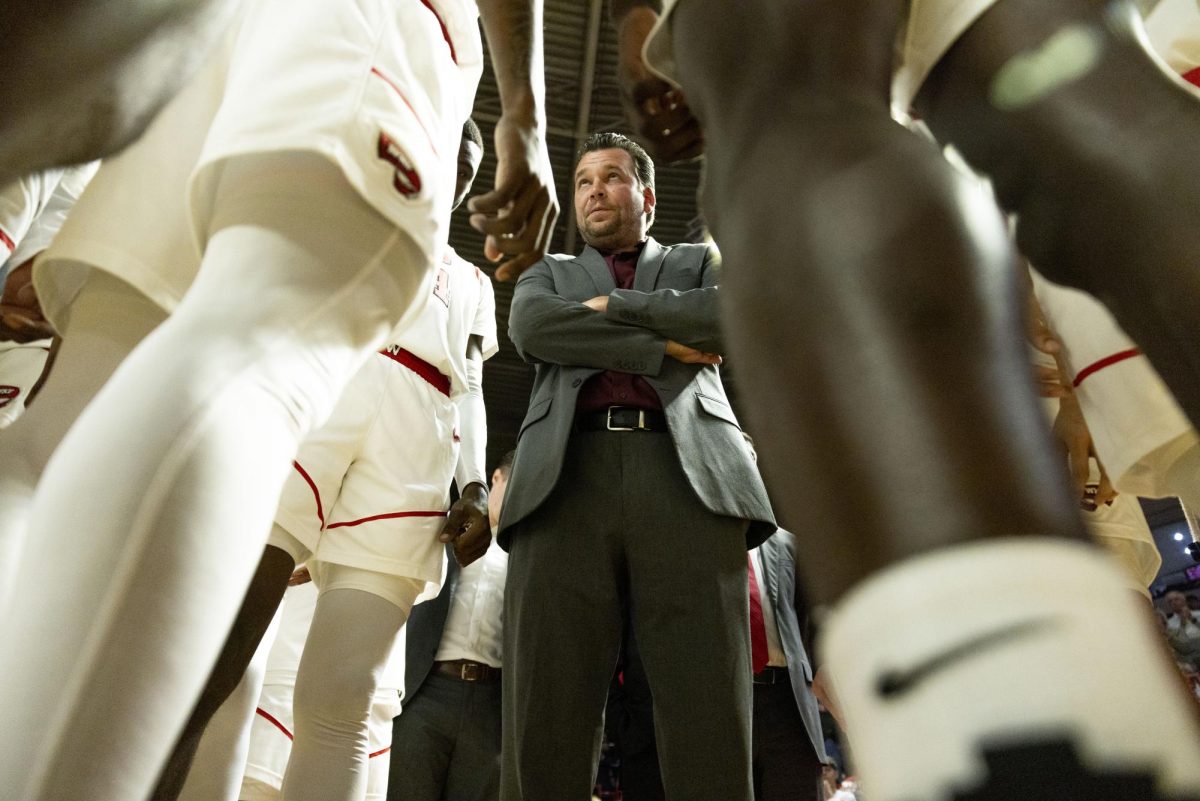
point(467, 525)
point(659, 113)
point(1075, 440)
point(598, 303)
point(21, 318)
point(300, 576)
point(1048, 382)
point(518, 216)
point(688, 355)
point(826, 696)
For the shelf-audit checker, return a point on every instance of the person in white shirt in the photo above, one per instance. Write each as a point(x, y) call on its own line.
point(365, 508)
point(446, 741)
point(319, 202)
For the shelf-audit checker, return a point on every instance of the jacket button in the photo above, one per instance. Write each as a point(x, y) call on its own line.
point(576, 382)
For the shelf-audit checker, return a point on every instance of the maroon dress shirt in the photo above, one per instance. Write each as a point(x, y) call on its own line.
point(612, 388)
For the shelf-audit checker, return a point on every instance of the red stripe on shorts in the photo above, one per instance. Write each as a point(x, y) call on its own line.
point(1193, 77)
point(313, 486)
point(1107, 361)
point(445, 31)
point(378, 73)
point(7, 241)
point(388, 516)
point(421, 368)
point(380, 751)
point(262, 713)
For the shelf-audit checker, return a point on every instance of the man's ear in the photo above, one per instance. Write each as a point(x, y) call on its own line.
point(648, 200)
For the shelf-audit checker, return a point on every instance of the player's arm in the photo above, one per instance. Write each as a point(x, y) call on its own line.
point(691, 317)
point(467, 522)
point(518, 216)
point(655, 109)
point(546, 327)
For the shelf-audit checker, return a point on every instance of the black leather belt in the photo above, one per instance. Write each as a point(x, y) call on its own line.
point(466, 670)
point(772, 675)
point(622, 418)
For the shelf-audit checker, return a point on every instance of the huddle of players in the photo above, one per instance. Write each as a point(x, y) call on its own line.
point(311, 238)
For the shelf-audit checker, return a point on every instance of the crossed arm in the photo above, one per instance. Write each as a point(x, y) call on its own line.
point(626, 331)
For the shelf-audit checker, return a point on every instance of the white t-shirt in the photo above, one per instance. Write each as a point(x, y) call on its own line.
point(474, 624)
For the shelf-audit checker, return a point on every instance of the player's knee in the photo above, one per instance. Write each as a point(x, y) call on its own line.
point(338, 699)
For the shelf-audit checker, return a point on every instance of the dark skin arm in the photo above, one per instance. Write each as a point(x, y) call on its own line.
point(467, 524)
point(655, 109)
point(21, 317)
point(518, 216)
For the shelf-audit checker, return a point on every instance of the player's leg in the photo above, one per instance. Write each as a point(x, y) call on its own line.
point(878, 311)
point(83, 78)
point(358, 617)
point(253, 619)
point(224, 752)
point(155, 511)
point(106, 321)
point(1095, 147)
point(872, 300)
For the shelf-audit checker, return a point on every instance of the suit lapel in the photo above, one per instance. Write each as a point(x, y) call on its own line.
point(593, 264)
point(771, 568)
point(649, 266)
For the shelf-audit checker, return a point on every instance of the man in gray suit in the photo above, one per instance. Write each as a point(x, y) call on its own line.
point(633, 493)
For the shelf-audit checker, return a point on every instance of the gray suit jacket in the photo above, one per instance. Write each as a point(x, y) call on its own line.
point(674, 296)
point(779, 569)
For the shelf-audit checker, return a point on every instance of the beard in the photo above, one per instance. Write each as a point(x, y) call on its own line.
point(604, 233)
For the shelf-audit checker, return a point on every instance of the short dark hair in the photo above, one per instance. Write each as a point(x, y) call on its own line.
point(643, 165)
point(471, 131)
point(506, 463)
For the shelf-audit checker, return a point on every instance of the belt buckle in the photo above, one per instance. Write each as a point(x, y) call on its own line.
point(470, 671)
point(641, 426)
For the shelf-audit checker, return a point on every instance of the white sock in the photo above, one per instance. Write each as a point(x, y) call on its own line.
point(1004, 642)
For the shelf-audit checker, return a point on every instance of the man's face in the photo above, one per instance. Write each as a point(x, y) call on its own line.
point(1177, 602)
point(610, 202)
point(496, 497)
point(470, 156)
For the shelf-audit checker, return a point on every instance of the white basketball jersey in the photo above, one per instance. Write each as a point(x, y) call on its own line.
point(461, 305)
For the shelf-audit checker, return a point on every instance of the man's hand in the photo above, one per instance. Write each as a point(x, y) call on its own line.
point(467, 525)
point(300, 576)
point(21, 317)
point(598, 303)
point(518, 216)
point(688, 355)
point(659, 113)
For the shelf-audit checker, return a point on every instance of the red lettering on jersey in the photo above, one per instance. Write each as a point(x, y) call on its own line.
point(8, 394)
point(441, 286)
point(406, 179)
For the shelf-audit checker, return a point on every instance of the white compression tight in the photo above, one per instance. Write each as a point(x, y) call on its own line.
point(107, 319)
point(348, 646)
point(152, 515)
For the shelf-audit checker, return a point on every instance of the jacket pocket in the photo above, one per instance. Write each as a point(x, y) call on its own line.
point(536, 412)
point(718, 409)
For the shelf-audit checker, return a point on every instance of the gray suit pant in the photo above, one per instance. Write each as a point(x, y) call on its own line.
point(623, 534)
point(446, 743)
